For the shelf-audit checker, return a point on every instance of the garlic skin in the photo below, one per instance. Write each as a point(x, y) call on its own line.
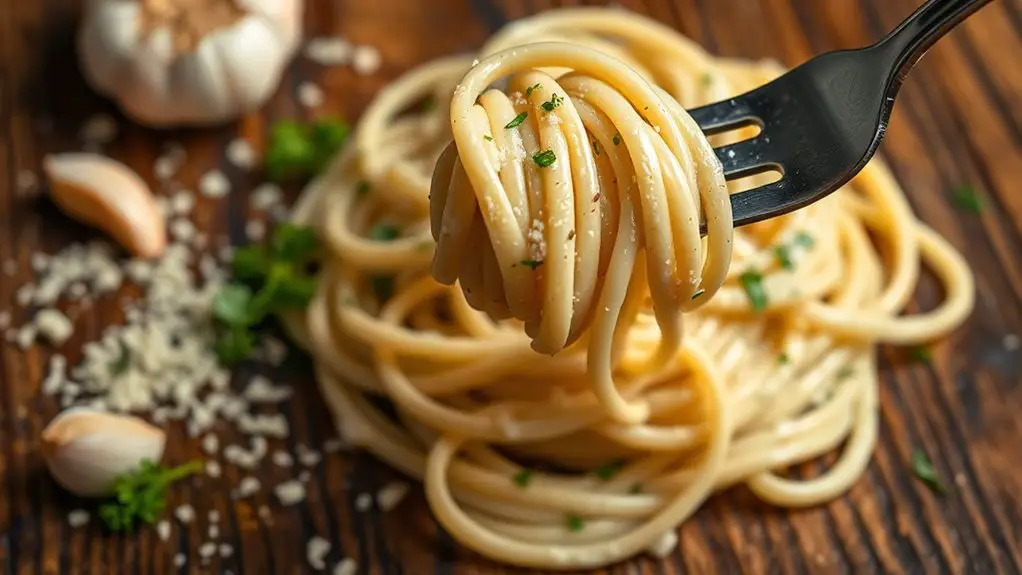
point(86, 450)
point(188, 62)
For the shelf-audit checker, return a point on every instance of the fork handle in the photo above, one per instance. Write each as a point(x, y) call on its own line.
point(913, 37)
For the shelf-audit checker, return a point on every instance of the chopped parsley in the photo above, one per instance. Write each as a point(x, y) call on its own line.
point(140, 496)
point(596, 147)
point(120, 365)
point(362, 188)
point(706, 79)
point(921, 354)
point(845, 372)
point(523, 477)
point(300, 150)
point(924, 470)
point(575, 523)
point(967, 198)
point(517, 121)
point(528, 91)
point(488, 138)
point(752, 283)
point(532, 264)
point(783, 257)
point(607, 471)
point(544, 159)
point(804, 239)
point(698, 293)
point(783, 358)
point(428, 105)
point(555, 101)
point(383, 287)
point(385, 232)
point(616, 139)
point(636, 488)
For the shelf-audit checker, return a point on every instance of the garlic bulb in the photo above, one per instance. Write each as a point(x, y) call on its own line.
point(86, 449)
point(188, 62)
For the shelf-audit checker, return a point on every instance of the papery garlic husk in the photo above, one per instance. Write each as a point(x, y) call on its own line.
point(188, 62)
point(86, 450)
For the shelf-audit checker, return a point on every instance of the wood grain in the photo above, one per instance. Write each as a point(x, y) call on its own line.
point(958, 121)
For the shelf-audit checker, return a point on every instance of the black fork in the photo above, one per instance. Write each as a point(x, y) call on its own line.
point(822, 121)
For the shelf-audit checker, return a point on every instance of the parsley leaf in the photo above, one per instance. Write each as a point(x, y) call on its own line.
point(783, 358)
point(528, 91)
point(293, 242)
point(967, 198)
point(488, 138)
point(523, 477)
point(383, 287)
point(804, 239)
point(706, 79)
point(532, 264)
point(845, 372)
point(607, 471)
point(575, 523)
point(545, 158)
point(921, 354)
point(698, 293)
point(783, 257)
point(752, 283)
point(362, 188)
point(120, 365)
point(385, 232)
point(249, 262)
point(616, 139)
point(299, 150)
point(924, 470)
point(231, 305)
point(555, 101)
point(140, 496)
point(517, 121)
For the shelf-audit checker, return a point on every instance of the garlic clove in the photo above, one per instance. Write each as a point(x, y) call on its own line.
point(86, 450)
point(102, 192)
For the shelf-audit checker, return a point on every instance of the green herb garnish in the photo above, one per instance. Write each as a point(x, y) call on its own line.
point(845, 372)
point(488, 138)
point(783, 358)
point(141, 496)
point(783, 257)
point(752, 283)
point(575, 523)
point(921, 354)
point(532, 264)
point(267, 280)
point(607, 471)
point(300, 150)
point(596, 147)
point(804, 239)
point(706, 79)
point(698, 293)
point(544, 159)
point(528, 91)
point(120, 365)
point(555, 101)
point(924, 470)
point(385, 232)
point(517, 121)
point(523, 477)
point(428, 105)
point(967, 198)
point(616, 139)
point(362, 188)
point(383, 287)
point(635, 488)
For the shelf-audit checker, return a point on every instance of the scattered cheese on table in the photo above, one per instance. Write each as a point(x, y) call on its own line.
point(316, 551)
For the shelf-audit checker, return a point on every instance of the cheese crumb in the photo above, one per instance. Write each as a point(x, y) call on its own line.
point(54, 326)
point(210, 444)
point(213, 468)
point(664, 545)
point(366, 60)
point(226, 550)
point(98, 129)
point(283, 459)
point(247, 487)
point(290, 492)
point(214, 184)
point(241, 154)
point(308, 457)
point(261, 390)
point(78, 518)
point(179, 560)
point(316, 551)
point(185, 513)
point(255, 230)
point(182, 203)
point(363, 502)
point(265, 196)
point(207, 550)
point(347, 566)
point(27, 182)
point(328, 50)
point(391, 495)
point(310, 95)
point(163, 530)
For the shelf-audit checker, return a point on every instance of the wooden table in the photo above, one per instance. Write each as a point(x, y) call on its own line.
point(958, 121)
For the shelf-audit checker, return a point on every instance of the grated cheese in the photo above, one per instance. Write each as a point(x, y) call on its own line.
point(290, 492)
point(179, 560)
point(265, 196)
point(226, 550)
point(53, 325)
point(255, 230)
point(242, 154)
point(214, 184)
point(261, 390)
point(310, 95)
point(207, 549)
point(56, 375)
point(316, 551)
point(184, 513)
point(283, 459)
point(366, 60)
point(363, 502)
point(347, 566)
point(328, 50)
point(308, 457)
point(391, 495)
point(163, 530)
point(78, 518)
point(27, 182)
point(98, 129)
point(247, 487)
point(213, 468)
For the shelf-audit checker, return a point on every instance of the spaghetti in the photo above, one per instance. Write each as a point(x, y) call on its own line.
point(564, 218)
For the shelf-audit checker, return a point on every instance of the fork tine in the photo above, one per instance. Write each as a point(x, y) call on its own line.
point(767, 201)
point(747, 158)
point(726, 115)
